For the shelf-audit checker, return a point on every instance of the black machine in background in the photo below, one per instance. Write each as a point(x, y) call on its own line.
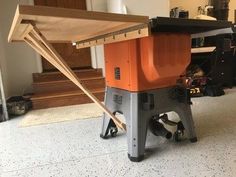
point(221, 9)
point(220, 64)
point(218, 67)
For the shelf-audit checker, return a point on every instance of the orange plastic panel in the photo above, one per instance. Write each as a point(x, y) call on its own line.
point(147, 63)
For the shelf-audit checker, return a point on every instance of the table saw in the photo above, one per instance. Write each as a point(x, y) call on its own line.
point(145, 62)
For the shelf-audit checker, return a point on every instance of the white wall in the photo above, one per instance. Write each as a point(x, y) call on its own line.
point(18, 61)
point(192, 5)
point(97, 53)
point(151, 8)
point(3, 64)
point(232, 8)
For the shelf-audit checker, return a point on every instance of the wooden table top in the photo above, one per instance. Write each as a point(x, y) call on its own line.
point(70, 25)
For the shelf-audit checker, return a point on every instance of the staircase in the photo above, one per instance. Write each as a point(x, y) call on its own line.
point(53, 89)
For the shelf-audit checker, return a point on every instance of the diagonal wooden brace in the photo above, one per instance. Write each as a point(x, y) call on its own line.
point(39, 43)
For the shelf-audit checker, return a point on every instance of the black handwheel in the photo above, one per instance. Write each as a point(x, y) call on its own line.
point(113, 131)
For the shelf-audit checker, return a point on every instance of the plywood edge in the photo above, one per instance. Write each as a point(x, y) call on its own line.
point(15, 23)
point(27, 10)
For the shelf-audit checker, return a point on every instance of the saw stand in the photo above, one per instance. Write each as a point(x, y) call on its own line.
point(139, 107)
point(147, 96)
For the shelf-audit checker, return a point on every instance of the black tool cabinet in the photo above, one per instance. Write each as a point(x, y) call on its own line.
point(223, 68)
point(220, 64)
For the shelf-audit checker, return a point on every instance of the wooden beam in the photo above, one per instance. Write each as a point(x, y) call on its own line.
point(38, 42)
point(57, 12)
point(15, 25)
point(42, 50)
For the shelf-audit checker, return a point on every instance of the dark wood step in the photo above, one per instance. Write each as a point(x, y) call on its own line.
point(56, 76)
point(67, 85)
point(41, 101)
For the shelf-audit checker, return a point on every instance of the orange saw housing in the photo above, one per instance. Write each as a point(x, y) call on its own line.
point(156, 61)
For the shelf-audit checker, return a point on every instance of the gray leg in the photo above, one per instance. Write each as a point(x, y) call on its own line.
point(185, 114)
point(107, 121)
point(105, 126)
point(138, 112)
point(136, 131)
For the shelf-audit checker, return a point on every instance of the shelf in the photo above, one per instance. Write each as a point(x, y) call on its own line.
point(203, 49)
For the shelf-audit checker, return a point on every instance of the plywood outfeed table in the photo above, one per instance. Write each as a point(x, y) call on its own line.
point(39, 26)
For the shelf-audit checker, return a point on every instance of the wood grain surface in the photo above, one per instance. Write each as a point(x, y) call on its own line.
point(70, 25)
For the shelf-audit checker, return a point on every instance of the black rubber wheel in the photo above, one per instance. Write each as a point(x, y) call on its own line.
point(113, 131)
point(193, 140)
point(103, 137)
point(177, 136)
point(136, 159)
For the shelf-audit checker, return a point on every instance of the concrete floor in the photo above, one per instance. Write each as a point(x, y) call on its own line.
point(75, 148)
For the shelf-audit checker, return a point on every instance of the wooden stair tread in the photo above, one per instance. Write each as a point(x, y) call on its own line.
point(53, 89)
point(76, 71)
point(57, 76)
point(67, 80)
point(63, 94)
point(67, 85)
point(65, 101)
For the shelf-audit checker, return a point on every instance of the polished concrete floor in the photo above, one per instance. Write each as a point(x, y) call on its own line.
point(74, 148)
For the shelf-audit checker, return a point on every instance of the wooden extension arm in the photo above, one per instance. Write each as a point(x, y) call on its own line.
point(39, 43)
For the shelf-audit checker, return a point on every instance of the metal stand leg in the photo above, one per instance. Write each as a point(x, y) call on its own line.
point(139, 107)
point(136, 130)
point(3, 117)
point(107, 122)
point(185, 114)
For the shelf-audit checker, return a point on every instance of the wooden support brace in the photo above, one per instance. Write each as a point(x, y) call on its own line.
point(39, 43)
